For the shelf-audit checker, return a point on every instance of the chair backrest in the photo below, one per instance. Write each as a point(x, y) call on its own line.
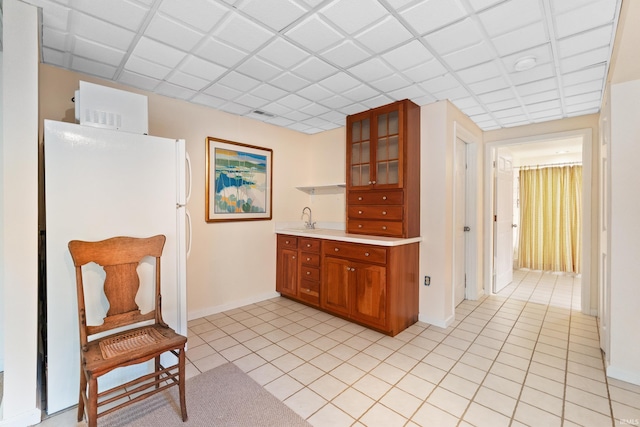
point(119, 257)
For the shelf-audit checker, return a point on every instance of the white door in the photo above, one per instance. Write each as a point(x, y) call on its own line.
point(460, 247)
point(503, 221)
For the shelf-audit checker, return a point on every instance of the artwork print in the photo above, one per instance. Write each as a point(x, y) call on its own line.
point(238, 181)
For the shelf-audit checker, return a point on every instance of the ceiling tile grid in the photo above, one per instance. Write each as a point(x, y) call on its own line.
point(306, 64)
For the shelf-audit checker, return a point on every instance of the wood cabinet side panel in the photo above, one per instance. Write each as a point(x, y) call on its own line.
point(403, 286)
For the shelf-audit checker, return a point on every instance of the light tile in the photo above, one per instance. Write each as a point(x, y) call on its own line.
point(381, 416)
point(353, 402)
point(283, 387)
point(495, 401)
point(327, 386)
point(429, 415)
point(481, 416)
point(448, 401)
point(330, 416)
point(371, 386)
point(531, 415)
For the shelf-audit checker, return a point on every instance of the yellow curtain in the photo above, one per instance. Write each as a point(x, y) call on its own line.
point(551, 218)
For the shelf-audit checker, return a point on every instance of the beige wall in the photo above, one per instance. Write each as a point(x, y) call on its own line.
point(231, 263)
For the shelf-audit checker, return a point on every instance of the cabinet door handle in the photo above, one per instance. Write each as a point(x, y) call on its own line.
point(384, 212)
point(308, 273)
point(293, 257)
point(286, 242)
point(308, 259)
point(360, 198)
point(370, 182)
point(348, 269)
point(384, 227)
point(353, 269)
point(366, 254)
point(384, 197)
point(336, 249)
point(373, 182)
point(308, 245)
point(359, 225)
point(359, 212)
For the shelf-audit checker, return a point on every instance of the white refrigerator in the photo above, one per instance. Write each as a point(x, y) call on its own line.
point(101, 183)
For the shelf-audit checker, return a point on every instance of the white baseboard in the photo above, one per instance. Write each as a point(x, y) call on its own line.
point(441, 323)
point(29, 418)
point(632, 377)
point(197, 314)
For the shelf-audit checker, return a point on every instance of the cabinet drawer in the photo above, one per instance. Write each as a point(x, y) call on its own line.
point(285, 241)
point(310, 245)
point(310, 259)
point(310, 273)
point(390, 197)
point(390, 213)
point(377, 228)
point(355, 251)
point(309, 292)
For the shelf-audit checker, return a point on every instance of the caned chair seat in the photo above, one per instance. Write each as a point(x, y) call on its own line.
point(145, 336)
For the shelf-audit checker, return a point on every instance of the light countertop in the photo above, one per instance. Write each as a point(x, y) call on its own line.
point(336, 231)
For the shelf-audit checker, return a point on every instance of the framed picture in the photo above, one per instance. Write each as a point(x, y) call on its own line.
point(238, 186)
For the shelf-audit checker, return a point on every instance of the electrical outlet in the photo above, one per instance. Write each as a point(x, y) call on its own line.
point(427, 280)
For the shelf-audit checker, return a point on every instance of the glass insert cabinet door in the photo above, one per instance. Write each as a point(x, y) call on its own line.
point(375, 149)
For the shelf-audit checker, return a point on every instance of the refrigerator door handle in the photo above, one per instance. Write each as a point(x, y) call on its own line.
point(188, 159)
point(189, 231)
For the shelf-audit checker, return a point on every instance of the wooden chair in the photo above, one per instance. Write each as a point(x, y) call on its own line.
point(120, 256)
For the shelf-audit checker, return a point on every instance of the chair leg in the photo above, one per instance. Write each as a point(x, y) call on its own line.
point(157, 366)
point(92, 403)
point(82, 395)
point(183, 403)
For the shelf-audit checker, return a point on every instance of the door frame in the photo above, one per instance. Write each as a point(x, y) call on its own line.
point(587, 238)
point(472, 292)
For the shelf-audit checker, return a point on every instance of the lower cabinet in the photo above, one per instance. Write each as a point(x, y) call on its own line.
point(376, 286)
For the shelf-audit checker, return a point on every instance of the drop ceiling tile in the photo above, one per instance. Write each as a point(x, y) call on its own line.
point(585, 108)
point(408, 55)
point(521, 38)
point(586, 75)
point(200, 68)
point(489, 85)
point(345, 54)
point(351, 16)
point(478, 5)
point(55, 39)
point(336, 101)
point(269, 92)
point(220, 53)
point(314, 69)
point(289, 82)
point(541, 96)
point(409, 92)
point(361, 93)
point(315, 92)
point(159, 53)
point(539, 116)
point(454, 37)
point(97, 52)
point(93, 68)
point(352, 109)
point(236, 109)
point(440, 83)
point(238, 81)
point(384, 35)
point(544, 106)
point(296, 116)
point(372, 69)
point(470, 56)
point(424, 100)
point(391, 83)
point(315, 109)
point(510, 15)
point(480, 72)
point(95, 29)
point(222, 92)
point(584, 18)
point(137, 80)
point(339, 83)
point(277, 14)
point(54, 57)
point(258, 69)
point(123, 13)
point(512, 111)
point(146, 68)
point(498, 95)
point(276, 108)
point(280, 121)
point(251, 101)
point(377, 101)
point(585, 41)
point(471, 111)
point(507, 104)
point(466, 102)
point(314, 34)
point(540, 72)
point(514, 121)
point(173, 91)
point(335, 117)
point(173, 33)
point(482, 118)
point(427, 16)
point(542, 54)
point(584, 60)
point(294, 102)
point(240, 32)
point(282, 53)
point(537, 87)
point(450, 94)
point(57, 16)
point(399, 4)
point(578, 89)
point(209, 101)
point(583, 98)
point(187, 80)
point(202, 14)
point(426, 71)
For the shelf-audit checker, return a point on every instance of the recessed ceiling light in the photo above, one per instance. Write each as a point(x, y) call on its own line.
point(526, 63)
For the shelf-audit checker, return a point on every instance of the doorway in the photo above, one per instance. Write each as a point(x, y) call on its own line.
point(544, 142)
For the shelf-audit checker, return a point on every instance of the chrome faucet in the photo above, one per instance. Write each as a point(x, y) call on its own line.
point(309, 223)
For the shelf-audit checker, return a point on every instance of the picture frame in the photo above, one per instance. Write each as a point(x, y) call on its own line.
point(238, 181)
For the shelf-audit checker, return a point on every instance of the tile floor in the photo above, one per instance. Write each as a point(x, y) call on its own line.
point(525, 357)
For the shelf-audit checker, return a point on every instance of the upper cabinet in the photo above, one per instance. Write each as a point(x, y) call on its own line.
point(383, 171)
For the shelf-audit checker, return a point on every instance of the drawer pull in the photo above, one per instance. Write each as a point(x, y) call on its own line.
point(384, 227)
point(348, 269)
point(359, 225)
point(286, 242)
point(359, 212)
point(384, 212)
point(373, 182)
point(366, 254)
point(308, 273)
point(360, 198)
point(308, 259)
point(308, 290)
point(353, 269)
point(293, 257)
point(336, 249)
point(308, 245)
point(384, 197)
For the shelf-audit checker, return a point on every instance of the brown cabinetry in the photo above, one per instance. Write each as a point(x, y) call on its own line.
point(383, 171)
point(287, 266)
